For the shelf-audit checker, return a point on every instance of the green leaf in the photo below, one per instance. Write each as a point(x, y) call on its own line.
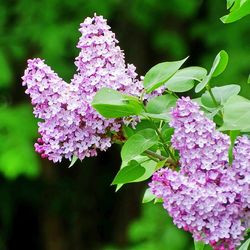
point(148, 196)
point(233, 136)
point(245, 245)
point(219, 65)
point(236, 114)
point(184, 79)
point(73, 161)
point(150, 167)
point(230, 3)
point(199, 245)
point(127, 131)
point(248, 80)
point(160, 164)
point(129, 173)
point(199, 87)
point(240, 9)
point(147, 164)
point(167, 133)
point(221, 94)
point(113, 104)
point(158, 200)
point(160, 73)
point(159, 107)
point(138, 143)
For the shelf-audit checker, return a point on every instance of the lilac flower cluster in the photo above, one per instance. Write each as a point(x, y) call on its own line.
point(207, 196)
point(69, 125)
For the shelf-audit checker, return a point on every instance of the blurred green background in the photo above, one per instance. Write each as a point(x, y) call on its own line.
point(46, 206)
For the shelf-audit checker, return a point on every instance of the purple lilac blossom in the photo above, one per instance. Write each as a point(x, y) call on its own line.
point(69, 126)
point(207, 196)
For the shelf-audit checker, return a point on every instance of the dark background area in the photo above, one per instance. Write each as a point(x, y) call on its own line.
point(46, 206)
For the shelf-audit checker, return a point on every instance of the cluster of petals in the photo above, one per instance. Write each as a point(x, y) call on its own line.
point(207, 196)
point(68, 125)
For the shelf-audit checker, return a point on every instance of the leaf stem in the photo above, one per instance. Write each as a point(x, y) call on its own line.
point(165, 146)
point(214, 100)
point(155, 155)
point(169, 161)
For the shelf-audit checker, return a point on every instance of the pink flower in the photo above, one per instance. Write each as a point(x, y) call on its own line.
point(207, 197)
point(69, 125)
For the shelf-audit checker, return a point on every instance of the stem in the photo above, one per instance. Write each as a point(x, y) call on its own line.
point(142, 96)
point(165, 146)
point(172, 93)
point(212, 96)
point(214, 100)
point(155, 155)
point(169, 161)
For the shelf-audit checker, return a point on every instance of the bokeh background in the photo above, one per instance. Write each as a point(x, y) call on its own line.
point(46, 206)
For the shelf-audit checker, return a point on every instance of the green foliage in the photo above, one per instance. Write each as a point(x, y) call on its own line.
point(199, 245)
point(154, 230)
point(159, 107)
point(219, 65)
point(238, 9)
point(233, 137)
point(129, 173)
point(6, 74)
point(184, 79)
point(221, 95)
point(26, 32)
point(73, 161)
point(160, 73)
point(17, 156)
point(138, 143)
point(148, 196)
point(245, 245)
point(112, 104)
point(136, 170)
point(236, 114)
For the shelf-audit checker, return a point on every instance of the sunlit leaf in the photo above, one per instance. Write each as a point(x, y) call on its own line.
point(160, 73)
point(221, 95)
point(138, 143)
point(236, 114)
point(113, 104)
point(245, 245)
point(184, 79)
point(219, 65)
